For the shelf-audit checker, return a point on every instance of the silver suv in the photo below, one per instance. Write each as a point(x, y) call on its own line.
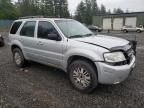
point(126, 29)
point(68, 45)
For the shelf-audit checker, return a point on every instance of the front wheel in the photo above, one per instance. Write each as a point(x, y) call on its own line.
point(83, 76)
point(138, 31)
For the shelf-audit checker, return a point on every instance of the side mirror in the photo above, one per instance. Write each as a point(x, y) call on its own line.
point(53, 36)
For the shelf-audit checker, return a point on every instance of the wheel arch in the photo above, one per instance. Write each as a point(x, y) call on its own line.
point(15, 46)
point(78, 57)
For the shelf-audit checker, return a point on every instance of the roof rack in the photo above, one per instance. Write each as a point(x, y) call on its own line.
point(27, 17)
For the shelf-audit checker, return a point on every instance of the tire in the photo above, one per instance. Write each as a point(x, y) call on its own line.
point(125, 31)
point(88, 72)
point(18, 58)
point(2, 42)
point(138, 31)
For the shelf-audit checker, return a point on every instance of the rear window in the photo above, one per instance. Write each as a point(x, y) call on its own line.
point(15, 27)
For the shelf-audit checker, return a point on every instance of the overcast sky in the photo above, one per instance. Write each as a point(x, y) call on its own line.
point(131, 5)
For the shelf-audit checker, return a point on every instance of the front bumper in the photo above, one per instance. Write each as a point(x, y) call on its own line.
point(108, 74)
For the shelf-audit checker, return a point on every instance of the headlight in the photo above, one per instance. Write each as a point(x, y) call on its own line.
point(114, 57)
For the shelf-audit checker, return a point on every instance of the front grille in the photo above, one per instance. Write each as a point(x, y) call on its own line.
point(129, 55)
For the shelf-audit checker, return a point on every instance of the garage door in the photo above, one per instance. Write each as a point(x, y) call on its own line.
point(131, 21)
point(117, 23)
point(107, 23)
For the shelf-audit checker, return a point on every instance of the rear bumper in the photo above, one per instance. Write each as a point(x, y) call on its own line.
point(108, 74)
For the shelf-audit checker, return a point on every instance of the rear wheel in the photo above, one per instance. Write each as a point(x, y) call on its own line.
point(125, 31)
point(83, 75)
point(18, 58)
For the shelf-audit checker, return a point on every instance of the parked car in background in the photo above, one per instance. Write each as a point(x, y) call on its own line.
point(95, 28)
point(1, 41)
point(126, 29)
point(88, 59)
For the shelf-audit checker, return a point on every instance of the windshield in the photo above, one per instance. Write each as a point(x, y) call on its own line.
point(73, 29)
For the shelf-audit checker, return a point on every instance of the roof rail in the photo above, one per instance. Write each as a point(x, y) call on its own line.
point(27, 17)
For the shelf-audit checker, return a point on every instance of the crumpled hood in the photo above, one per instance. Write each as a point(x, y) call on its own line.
point(104, 41)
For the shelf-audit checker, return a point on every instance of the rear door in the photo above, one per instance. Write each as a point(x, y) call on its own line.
point(28, 40)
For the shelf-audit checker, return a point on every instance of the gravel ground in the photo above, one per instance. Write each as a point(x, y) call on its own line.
point(40, 86)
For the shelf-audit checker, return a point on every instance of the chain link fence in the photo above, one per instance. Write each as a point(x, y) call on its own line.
point(5, 25)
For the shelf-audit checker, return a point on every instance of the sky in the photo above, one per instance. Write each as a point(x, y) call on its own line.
point(131, 5)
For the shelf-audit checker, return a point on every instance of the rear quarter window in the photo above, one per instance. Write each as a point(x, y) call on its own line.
point(15, 27)
point(28, 29)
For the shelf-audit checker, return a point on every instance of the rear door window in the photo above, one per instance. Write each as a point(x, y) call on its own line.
point(28, 29)
point(15, 27)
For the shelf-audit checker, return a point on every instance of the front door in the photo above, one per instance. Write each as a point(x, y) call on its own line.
point(50, 51)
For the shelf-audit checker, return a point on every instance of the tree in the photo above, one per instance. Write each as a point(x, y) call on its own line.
point(61, 8)
point(95, 8)
point(118, 11)
point(7, 10)
point(87, 9)
point(28, 7)
point(57, 8)
point(80, 12)
point(88, 12)
point(64, 8)
point(103, 9)
point(46, 8)
point(109, 11)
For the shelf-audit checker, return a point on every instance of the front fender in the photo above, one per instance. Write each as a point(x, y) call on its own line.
point(84, 53)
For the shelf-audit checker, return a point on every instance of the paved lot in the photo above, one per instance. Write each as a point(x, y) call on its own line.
point(39, 86)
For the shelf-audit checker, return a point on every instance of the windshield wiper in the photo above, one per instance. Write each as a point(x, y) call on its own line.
point(90, 34)
point(76, 36)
